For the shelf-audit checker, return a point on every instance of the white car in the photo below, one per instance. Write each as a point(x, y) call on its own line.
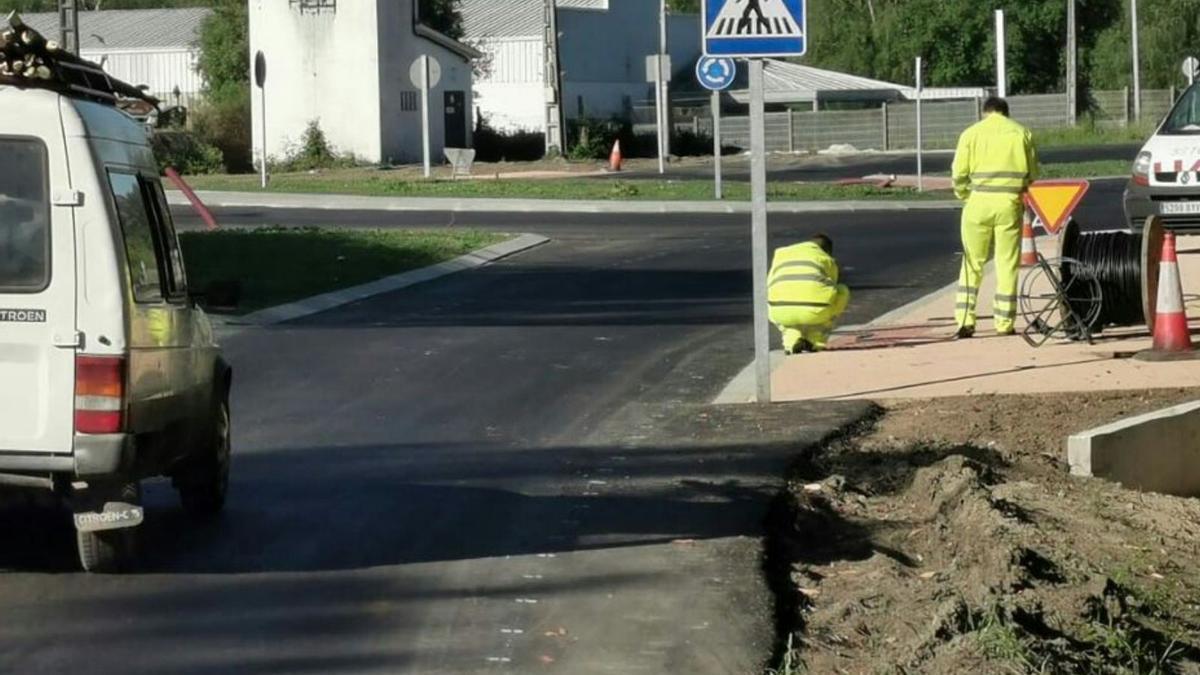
point(109, 372)
point(1166, 173)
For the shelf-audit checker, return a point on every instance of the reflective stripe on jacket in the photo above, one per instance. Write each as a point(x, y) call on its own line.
point(802, 275)
point(995, 157)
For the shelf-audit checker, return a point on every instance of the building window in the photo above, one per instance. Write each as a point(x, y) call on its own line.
point(409, 101)
point(314, 6)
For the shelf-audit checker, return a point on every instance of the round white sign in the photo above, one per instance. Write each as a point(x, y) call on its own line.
point(1191, 67)
point(435, 72)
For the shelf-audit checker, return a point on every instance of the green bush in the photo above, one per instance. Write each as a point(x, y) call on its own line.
point(187, 153)
point(223, 120)
point(313, 152)
point(592, 139)
point(501, 146)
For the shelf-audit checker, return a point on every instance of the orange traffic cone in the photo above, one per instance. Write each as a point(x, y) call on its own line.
point(1171, 332)
point(1029, 256)
point(615, 159)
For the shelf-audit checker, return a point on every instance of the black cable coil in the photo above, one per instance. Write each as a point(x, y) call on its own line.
point(1115, 258)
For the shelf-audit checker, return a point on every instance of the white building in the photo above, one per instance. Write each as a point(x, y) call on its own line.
point(346, 65)
point(151, 47)
point(602, 54)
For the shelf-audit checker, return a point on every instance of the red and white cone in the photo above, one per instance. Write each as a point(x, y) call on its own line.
point(615, 159)
point(1171, 332)
point(1029, 256)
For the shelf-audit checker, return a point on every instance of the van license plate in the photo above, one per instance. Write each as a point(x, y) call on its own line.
point(1179, 208)
point(114, 517)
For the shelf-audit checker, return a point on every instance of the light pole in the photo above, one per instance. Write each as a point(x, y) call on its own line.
point(1137, 68)
point(1001, 64)
point(1072, 65)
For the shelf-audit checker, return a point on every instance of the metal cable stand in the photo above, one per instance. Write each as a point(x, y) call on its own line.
point(1100, 280)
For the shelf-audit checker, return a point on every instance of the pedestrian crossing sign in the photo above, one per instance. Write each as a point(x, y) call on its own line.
point(755, 28)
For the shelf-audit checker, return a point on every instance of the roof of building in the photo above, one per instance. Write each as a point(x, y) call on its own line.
point(514, 18)
point(122, 29)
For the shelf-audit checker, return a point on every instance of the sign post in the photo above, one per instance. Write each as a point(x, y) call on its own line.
point(755, 31)
point(716, 75)
point(260, 79)
point(658, 70)
point(425, 74)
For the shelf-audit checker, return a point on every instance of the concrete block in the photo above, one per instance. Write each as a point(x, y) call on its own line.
point(1156, 452)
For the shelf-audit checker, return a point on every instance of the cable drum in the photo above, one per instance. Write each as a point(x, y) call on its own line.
point(1124, 264)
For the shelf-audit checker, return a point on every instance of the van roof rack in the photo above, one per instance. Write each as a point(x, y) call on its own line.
point(28, 60)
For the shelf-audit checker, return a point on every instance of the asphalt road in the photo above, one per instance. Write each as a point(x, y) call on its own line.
point(510, 470)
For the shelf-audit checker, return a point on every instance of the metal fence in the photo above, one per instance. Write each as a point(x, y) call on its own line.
point(894, 126)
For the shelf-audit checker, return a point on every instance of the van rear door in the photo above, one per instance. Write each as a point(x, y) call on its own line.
point(37, 293)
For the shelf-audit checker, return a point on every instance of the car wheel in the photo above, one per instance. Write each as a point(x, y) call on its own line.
point(204, 481)
point(111, 551)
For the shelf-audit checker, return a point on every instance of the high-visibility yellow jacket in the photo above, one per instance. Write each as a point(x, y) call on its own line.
point(996, 159)
point(802, 275)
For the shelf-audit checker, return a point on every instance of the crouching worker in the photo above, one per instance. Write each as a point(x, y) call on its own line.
point(804, 295)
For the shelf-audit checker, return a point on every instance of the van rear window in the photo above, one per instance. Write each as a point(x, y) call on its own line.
point(24, 216)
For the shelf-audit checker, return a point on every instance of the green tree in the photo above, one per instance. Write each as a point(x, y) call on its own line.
point(1168, 32)
point(688, 6)
point(442, 16)
point(223, 119)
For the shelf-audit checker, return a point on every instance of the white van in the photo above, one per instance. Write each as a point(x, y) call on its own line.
point(109, 372)
point(1166, 173)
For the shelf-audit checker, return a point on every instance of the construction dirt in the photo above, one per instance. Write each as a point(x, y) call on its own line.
point(946, 536)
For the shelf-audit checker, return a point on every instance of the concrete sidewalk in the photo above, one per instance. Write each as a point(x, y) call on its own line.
point(910, 354)
point(282, 200)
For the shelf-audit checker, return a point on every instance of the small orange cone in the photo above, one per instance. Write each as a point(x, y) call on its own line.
point(1029, 256)
point(1171, 332)
point(615, 159)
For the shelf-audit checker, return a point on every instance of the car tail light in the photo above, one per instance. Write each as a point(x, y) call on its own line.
point(99, 394)
point(1141, 169)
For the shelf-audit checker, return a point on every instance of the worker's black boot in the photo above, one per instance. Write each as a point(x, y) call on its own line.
point(965, 333)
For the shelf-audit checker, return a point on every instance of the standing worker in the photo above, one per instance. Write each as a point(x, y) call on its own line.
point(993, 167)
point(804, 295)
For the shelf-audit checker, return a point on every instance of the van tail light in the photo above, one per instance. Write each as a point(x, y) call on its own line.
point(1141, 169)
point(99, 394)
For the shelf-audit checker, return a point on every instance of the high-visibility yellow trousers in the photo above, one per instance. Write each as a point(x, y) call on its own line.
point(813, 324)
point(984, 220)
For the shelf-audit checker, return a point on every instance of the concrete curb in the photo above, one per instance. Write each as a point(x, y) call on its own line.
point(335, 299)
point(1156, 452)
point(281, 200)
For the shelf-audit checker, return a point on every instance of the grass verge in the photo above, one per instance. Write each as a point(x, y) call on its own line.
point(387, 184)
point(1096, 169)
point(272, 266)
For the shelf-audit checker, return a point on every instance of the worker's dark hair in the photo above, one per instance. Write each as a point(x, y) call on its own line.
point(997, 105)
point(824, 242)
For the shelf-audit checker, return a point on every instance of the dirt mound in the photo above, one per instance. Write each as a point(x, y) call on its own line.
point(947, 537)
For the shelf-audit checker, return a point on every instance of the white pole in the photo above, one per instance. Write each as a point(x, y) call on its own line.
point(665, 83)
point(1137, 67)
point(1072, 64)
point(1001, 65)
point(758, 233)
point(920, 131)
point(263, 111)
point(425, 115)
point(716, 115)
point(658, 113)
